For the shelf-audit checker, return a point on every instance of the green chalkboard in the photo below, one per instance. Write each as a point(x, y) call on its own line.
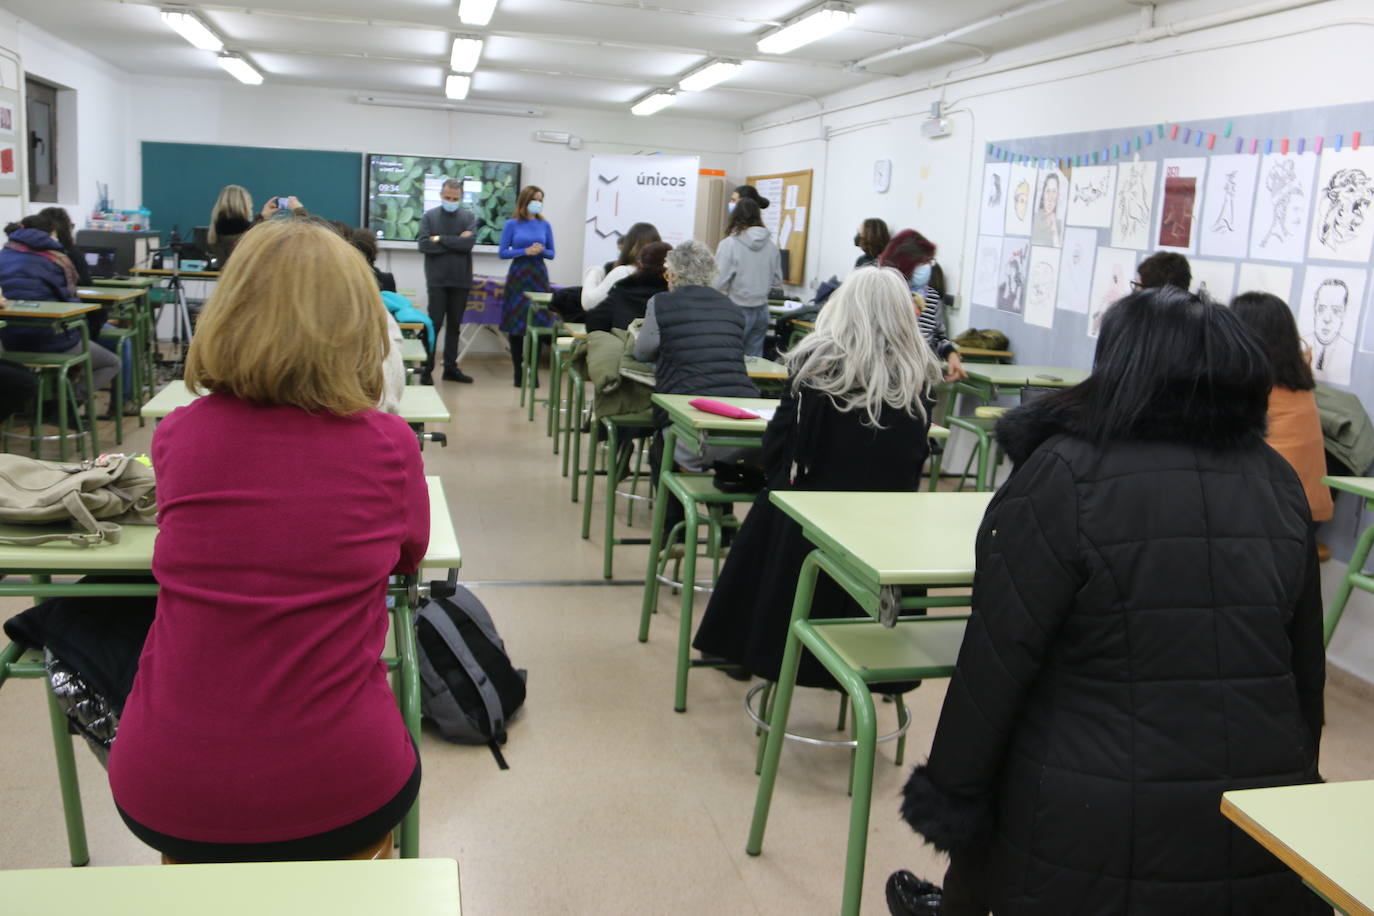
point(182, 180)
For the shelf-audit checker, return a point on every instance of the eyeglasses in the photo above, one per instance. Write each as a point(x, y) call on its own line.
point(1136, 286)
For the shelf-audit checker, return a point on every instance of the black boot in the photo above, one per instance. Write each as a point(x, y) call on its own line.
point(908, 895)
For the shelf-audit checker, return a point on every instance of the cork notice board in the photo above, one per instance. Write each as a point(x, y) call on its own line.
point(787, 216)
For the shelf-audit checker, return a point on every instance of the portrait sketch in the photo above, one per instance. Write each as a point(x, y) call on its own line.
point(1133, 213)
point(1343, 221)
point(1283, 200)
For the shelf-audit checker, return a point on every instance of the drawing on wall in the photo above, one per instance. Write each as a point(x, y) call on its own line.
point(1328, 317)
point(1020, 190)
point(1090, 196)
point(993, 203)
point(1282, 204)
point(1011, 282)
point(1179, 203)
point(1111, 280)
point(1051, 205)
point(1131, 217)
point(1266, 278)
point(1216, 279)
point(6, 119)
point(1341, 226)
point(1076, 270)
point(986, 269)
point(1226, 214)
point(1042, 283)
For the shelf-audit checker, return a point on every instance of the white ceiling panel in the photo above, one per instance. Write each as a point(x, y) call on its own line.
point(585, 53)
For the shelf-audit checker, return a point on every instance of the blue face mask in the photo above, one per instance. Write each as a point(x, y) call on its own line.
point(450, 206)
point(535, 206)
point(730, 207)
point(920, 277)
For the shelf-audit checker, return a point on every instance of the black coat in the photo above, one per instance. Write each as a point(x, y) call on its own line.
point(701, 346)
point(747, 618)
point(627, 300)
point(1146, 634)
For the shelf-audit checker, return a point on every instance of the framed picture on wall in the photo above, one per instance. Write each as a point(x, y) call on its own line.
point(11, 153)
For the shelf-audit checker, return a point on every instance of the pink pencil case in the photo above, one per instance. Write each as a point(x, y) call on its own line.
point(710, 405)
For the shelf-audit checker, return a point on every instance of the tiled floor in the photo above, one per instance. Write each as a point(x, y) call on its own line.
point(613, 803)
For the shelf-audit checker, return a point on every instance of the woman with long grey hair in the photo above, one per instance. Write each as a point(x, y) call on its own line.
point(854, 416)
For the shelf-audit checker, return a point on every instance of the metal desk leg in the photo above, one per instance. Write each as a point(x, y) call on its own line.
point(409, 679)
point(1354, 577)
point(656, 533)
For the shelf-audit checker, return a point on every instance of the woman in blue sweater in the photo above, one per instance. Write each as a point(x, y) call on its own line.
point(527, 241)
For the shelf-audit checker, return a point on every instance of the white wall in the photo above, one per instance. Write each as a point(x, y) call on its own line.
point(220, 111)
point(1291, 60)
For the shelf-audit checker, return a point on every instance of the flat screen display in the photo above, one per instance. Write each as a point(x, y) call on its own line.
point(401, 188)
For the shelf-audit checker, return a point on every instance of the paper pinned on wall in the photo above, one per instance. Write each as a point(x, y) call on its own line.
point(1090, 196)
point(1328, 316)
point(1180, 204)
point(1042, 285)
point(987, 262)
point(1019, 198)
point(1011, 280)
point(1266, 278)
point(1133, 211)
point(1051, 206)
point(1343, 225)
point(1227, 211)
point(771, 188)
point(1283, 203)
point(1076, 270)
point(800, 215)
point(1214, 278)
point(785, 233)
point(1112, 278)
point(791, 202)
point(992, 205)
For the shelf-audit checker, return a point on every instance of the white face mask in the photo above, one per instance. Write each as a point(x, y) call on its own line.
point(534, 207)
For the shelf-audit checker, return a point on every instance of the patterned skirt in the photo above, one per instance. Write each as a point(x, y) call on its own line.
point(527, 275)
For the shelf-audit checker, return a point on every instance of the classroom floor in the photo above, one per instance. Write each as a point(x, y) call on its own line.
point(613, 803)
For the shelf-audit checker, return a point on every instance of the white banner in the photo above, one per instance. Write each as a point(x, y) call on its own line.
point(624, 190)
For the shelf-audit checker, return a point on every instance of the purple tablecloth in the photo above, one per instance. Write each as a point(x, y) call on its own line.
point(484, 302)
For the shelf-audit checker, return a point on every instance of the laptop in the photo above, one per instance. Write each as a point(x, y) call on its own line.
point(100, 261)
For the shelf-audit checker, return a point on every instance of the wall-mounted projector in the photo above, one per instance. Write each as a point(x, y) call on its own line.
point(937, 125)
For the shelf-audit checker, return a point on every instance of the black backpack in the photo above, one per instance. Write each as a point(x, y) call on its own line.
point(468, 686)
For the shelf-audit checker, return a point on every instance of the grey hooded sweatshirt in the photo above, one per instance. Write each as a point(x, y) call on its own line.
point(749, 266)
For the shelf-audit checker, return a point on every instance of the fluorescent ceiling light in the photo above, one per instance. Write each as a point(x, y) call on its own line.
point(466, 50)
point(240, 69)
point(476, 12)
point(189, 26)
point(715, 72)
point(654, 102)
point(826, 19)
point(457, 86)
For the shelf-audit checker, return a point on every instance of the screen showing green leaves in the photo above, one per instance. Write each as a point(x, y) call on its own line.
point(401, 188)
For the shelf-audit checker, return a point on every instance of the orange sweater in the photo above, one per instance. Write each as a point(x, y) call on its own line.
point(1295, 432)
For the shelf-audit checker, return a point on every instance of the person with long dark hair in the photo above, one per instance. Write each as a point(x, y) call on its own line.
point(62, 221)
point(871, 239)
point(598, 281)
point(750, 265)
point(1146, 635)
point(1295, 428)
point(746, 192)
point(629, 298)
point(527, 242)
point(913, 255)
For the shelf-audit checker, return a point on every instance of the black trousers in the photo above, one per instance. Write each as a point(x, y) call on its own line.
point(17, 387)
point(966, 884)
point(446, 306)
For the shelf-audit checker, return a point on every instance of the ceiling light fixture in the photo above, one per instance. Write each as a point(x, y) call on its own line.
point(826, 19)
point(476, 12)
point(467, 49)
point(189, 26)
point(513, 111)
point(654, 102)
point(717, 71)
point(457, 85)
point(240, 69)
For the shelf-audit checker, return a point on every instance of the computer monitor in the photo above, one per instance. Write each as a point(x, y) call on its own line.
point(100, 261)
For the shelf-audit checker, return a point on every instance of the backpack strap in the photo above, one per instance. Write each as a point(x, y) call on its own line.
point(448, 632)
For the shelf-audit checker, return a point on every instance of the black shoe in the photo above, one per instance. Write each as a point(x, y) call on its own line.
point(733, 672)
point(908, 895)
point(426, 378)
point(457, 375)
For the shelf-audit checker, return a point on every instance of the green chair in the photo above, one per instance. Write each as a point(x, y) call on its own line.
point(619, 453)
point(981, 425)
point(533, 339)
point(117, 336)
point(54, 377)
point(573, 429)
point(559, 405)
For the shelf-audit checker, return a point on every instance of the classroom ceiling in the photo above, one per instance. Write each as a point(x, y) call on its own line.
point(601, 54)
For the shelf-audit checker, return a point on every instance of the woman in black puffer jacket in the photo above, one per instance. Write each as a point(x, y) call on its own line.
point(1146, 634)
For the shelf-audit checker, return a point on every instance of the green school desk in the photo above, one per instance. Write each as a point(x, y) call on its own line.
point(412, 351)
point(167, 272)
point(64, 315)
point(129, 306)
point(871, 544)
point(1355, 577)
point(108, 294)
point(535, 303)
point(416, 887)
point(133, 555)
point(1320, 831)
point(125, 282)
point(987, 380)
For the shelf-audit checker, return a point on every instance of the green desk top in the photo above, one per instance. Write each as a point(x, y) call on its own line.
point(766, 369)
point(20, 309)
point(573, 329)
point(1360, 486)
point(1017, 376)
point(419, 403)
point(125, 282)
point(412, 350)
point(134, 552)
point(417, 887)
point(108, 294)
point(699, 420)
point(893, 538)
point(540, 298)
point(165, 272)
point(1320, 831)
